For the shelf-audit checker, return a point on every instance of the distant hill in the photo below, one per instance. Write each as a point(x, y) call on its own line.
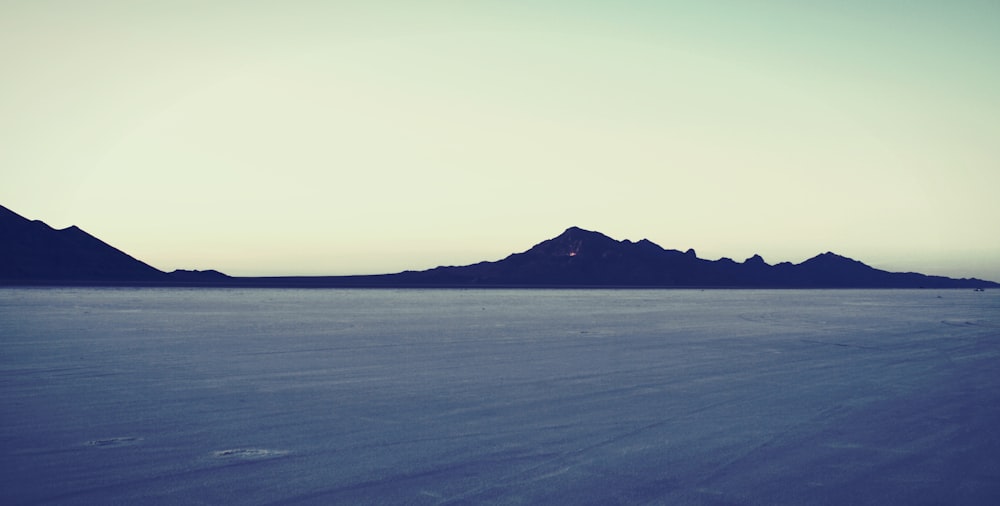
point(580, 257)
point(34, 253)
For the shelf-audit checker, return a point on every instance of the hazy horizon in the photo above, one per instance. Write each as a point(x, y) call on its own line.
point(311, 138)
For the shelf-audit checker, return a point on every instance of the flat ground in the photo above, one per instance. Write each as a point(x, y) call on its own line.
point(172, 396)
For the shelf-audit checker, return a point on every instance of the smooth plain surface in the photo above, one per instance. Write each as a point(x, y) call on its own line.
point(174, 396)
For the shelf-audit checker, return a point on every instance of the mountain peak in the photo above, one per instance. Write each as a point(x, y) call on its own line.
point(574, 241)
point(830, 258)
point(578, 232)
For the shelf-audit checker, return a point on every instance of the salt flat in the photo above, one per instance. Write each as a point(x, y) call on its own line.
point(183, 396)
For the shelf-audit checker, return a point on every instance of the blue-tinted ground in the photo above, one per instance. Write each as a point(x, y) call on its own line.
point(167, 396)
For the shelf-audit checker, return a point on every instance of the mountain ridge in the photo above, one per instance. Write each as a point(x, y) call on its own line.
point(583, 257)
point(35, 253)
point(32, 250)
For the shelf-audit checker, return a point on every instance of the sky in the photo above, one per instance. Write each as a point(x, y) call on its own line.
point(324, 137)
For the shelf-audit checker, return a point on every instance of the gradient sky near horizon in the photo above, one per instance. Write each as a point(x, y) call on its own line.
point(325, 137)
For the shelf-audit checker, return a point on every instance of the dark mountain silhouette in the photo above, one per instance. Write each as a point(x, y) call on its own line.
point(34, 253)
point(198, 276)
point(580, 257)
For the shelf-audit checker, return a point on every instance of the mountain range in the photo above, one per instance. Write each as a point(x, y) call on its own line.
point(33, 253)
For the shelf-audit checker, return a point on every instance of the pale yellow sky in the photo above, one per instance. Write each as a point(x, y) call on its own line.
point(300, 137)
